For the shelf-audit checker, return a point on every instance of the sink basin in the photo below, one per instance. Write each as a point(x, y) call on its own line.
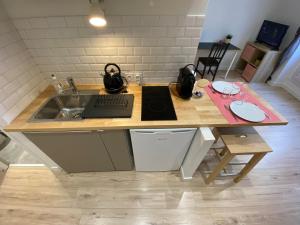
point(62, 108)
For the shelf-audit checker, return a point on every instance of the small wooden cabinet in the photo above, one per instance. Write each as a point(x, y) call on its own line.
point(256, 62)
point(249, 72)
point(86, 151)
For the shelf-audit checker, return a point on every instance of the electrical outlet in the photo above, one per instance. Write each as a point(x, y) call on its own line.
point(139, 78)
point(135, 77)
point(129, 76)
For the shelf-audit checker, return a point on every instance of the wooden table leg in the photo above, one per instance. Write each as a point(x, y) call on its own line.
point(223, 152)
point(227, 158)
point(249, 166)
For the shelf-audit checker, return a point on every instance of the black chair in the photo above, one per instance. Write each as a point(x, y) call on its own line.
point(214, 59)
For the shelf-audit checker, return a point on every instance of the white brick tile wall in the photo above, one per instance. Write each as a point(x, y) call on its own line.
point(150, 20)
point(108, 51)
point(125, 51)
point(133, 42)
point(102, 59)
point(192, 32)
point(87, 59)
point(38, 23)
point(183, 42)
point(92, 51)
point(176, 32)
point(134, 59)
point(71, 60)
point(141, 51)
point(70, 46)
point(127, 67)
point(149, 59)
point(168, 20)
point(22, 24)
point(141, 67)
point(56, 22)
point(20, 78)
point(75, 21)
point(114, 21)
point(76, 51)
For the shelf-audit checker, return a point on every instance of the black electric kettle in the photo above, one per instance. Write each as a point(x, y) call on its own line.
point(112, 79)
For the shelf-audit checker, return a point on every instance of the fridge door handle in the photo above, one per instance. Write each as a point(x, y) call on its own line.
point(145, 132)
point(182, 131)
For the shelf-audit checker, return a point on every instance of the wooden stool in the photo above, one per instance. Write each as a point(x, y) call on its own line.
point(239, 141)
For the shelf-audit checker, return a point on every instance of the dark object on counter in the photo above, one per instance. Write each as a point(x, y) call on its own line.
point(112, 79)
point(109, 106)
point(186, 81)
point(157, 104)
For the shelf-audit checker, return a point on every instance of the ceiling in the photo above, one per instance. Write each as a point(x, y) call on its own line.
point(40, 8)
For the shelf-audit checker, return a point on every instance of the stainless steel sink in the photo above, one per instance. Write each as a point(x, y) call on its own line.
point(63, 108)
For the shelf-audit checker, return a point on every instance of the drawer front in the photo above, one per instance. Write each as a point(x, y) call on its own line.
point(249, 72)
point(248, 53)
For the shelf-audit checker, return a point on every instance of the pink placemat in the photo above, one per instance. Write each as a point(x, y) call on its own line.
point(223, 104)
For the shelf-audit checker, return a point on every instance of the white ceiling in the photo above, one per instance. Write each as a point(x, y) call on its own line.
point(39, 8)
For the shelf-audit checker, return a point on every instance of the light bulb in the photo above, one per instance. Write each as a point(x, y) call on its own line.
point(97, 21)
point(97, 17)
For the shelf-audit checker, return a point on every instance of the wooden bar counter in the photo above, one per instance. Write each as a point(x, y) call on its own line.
point(196, 112)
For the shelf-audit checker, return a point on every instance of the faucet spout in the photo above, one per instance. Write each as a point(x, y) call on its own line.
point(72, 85)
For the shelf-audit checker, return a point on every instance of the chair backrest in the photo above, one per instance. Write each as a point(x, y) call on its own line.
point(218, 51)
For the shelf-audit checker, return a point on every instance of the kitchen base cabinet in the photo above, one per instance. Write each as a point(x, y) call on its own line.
point(86, 151)
point(118, 145)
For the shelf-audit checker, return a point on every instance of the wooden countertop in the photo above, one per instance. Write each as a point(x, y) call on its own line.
point(196, 112)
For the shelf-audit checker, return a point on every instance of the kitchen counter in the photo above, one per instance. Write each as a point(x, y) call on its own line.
point(196, 112)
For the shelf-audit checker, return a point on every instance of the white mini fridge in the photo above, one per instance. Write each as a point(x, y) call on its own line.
point(160, 149)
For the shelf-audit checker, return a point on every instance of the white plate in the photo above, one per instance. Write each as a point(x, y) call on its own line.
point(247, 111)
point(226, 87)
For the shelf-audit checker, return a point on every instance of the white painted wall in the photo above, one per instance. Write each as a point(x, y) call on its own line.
point(242, 19)
point(288, 76)
point(288, 13)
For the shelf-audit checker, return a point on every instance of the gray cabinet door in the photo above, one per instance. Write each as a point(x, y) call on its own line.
point(118, 145)
point(74, 151)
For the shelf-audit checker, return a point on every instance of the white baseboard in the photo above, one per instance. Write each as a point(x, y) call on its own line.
point(33, 165)
point(183, 177)
point(25, 165)
point(288, 86)
point(292, 89)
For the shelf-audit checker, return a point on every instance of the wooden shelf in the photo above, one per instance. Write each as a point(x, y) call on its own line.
point(254, 60)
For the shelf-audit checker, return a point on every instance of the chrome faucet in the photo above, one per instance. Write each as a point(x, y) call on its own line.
point(72, 85)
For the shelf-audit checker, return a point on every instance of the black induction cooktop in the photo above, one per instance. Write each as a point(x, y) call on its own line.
point(157, 104)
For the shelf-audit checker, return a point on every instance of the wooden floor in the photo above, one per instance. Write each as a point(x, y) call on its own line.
point(269, 195)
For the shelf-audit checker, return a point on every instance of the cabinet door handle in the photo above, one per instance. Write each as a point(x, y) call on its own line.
point(51, 132)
